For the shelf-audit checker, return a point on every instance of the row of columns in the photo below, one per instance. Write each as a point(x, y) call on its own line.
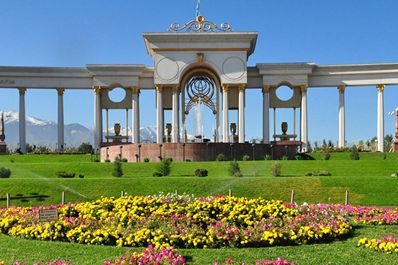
point(380, 117)
point(175, 117)
point(342, 129)
point(135, 125)
point(175, 125)
point(22, 119)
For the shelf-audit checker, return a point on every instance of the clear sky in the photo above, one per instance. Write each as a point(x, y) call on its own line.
point(79, 32)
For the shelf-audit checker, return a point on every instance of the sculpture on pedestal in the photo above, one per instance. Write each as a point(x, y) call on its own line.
point(3, 146)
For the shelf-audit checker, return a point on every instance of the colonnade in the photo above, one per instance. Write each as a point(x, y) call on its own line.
point(225, 116)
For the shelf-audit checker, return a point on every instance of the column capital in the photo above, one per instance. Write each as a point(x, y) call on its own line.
point(242, 87)
point(225, 87)
point(380, 88)
point(22, 90)
point(97, 89)
point(303, 88)
point(175, 88)
point(60, 91)
point(266, 88)
point(135, 89)
point(159, 88)
point(341, 88)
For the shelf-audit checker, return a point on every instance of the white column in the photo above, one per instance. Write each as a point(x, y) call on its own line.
point(159, 114)
point(135, 125)
point(304, 117)
point(341, 116)
point(225, 118)
point(175, 117)
point(97, 118)
point(241, 110)
point(266, 114)
point(380, 118)
point(61, 139)
point(22, 120)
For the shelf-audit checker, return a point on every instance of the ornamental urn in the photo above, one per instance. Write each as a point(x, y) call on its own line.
point(117, 128)
point(284, 127)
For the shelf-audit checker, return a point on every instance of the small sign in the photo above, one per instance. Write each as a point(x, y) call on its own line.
point(48, 215)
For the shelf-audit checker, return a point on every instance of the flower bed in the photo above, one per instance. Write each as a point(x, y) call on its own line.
point(361, 214)
point(387, 245)
point(150, 256)
point(278, 261)
point(179, 221)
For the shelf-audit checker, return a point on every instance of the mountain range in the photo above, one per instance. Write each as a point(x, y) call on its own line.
point(42, 132)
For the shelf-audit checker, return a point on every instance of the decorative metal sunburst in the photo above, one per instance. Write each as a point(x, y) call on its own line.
point(200, 90)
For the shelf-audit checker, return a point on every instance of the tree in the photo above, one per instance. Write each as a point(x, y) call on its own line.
point(354, 154)
point(388, 141)
point(117, 168)
point(163, 168)
point(85, 148)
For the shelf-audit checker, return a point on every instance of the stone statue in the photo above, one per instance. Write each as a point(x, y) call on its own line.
point(2, 135)
point(3, 146)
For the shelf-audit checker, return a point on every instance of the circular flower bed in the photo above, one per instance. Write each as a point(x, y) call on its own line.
point(180, 221)
point(387, 245)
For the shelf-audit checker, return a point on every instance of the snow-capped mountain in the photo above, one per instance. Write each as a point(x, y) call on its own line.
point(43, 132)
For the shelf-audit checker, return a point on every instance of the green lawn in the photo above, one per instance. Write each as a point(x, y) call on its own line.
point(339, 252)
point(33, 180)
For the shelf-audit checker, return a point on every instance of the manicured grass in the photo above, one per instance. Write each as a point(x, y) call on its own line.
point(339, 252)
point(34, 181)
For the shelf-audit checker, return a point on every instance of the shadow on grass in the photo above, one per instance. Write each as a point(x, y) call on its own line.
point(27, 198)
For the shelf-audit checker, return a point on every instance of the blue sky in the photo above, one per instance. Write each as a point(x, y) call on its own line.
point(79, 32)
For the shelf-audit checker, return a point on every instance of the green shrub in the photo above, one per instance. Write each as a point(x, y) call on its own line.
point(318, 173)
point(326, 156)
point(124, 160)
point(246, 158)
point(117, 168)
point(164, 168)
point(65, 175)
point(298, 157)
point(276, 169)
point(85, 148)
point(107, 160)
point(267, 157)
point(81, 176)
point(234, 169)
point(200, 172)
point(220, 157)
point(146, 160)
point(285, 158)
point(5, 173)
point(354, 154)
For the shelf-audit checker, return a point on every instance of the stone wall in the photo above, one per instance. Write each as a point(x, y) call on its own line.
point(194, 151)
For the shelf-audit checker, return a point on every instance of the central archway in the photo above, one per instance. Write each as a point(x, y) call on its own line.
point(200, 86)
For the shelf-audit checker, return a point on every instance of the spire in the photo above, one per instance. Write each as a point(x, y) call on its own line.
point(198, 9)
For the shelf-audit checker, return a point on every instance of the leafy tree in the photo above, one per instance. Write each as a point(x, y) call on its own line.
point(388, 141)
point(117, 168)
point(234, 169)
point(354, 154)
point(85, 148)
point(163, 168)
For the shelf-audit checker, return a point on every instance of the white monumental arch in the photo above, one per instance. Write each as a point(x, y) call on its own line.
point(200, 63)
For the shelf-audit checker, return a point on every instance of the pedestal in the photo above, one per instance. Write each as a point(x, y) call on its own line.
point(3, 149)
